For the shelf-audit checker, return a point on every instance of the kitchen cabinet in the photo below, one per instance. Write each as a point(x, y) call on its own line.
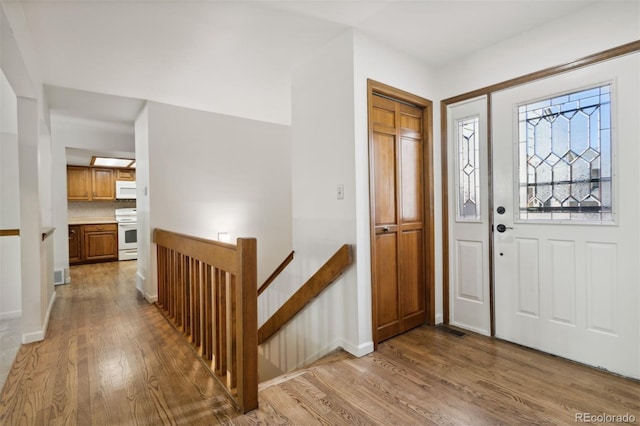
point(103, 184)
point(78, 183)
point(75, 243)
point(91, 183)
point(126, 174)
point(92, 243)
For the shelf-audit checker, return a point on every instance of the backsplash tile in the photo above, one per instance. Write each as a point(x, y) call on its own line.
point(80, 209)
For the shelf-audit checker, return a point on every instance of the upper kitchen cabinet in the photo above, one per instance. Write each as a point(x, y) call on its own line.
point(126, 174)
point(103, 184)
point(91, 183)
point(78, 183)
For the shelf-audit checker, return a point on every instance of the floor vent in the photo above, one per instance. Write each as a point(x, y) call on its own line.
point(58, 276)
point(446, 329)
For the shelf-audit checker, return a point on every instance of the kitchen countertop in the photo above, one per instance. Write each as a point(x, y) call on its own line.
point(90, 220)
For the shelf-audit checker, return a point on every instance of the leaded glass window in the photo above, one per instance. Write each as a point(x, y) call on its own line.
point(565, 157)
point(468, 169)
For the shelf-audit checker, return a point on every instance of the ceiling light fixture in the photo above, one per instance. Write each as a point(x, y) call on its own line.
point(113, 162)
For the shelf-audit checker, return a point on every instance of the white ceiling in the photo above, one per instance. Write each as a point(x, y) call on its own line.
point(82, 157)
point(235, 57)
point(92, 106)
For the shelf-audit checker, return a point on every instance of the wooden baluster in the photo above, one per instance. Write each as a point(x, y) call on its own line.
point(188, 298)
point(159, 251)
point(193, 289)
point(221, 323)
point(185, 295)
point(162, 292)
point(198, 323)
point(207, 310)
point(167, 278)
point(215, 320)
point(175, 286)
point(180, 293)
point(172, 286)
point(232, 366)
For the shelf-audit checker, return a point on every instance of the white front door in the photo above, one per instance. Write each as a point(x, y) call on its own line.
point(566, 167)
point(469, 292)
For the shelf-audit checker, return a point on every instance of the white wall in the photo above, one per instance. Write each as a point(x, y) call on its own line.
point(10, 275)
point(211, 173)
point(142, 202)
point(596, 28)
point(68, 132)
point(19, 64)
point(322, 158)
point(330, 147)
point(45, 170)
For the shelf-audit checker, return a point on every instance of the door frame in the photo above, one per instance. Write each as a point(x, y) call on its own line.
point(377, 88)
point(595, 58)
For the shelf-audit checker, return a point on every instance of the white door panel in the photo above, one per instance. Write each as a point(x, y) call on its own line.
point(571, 288)
point(469, 292)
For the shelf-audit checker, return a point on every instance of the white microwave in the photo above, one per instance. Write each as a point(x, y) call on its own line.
point(125, 190)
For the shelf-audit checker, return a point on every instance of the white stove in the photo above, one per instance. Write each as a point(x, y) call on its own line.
point(127, 234)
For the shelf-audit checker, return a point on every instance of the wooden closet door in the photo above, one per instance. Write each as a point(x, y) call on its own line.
point(397, 192)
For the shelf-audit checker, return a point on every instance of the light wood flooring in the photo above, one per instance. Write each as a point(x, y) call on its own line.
point(112, 359)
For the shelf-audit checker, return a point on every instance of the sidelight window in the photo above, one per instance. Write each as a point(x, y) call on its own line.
point(565, 157)
point(468, 138)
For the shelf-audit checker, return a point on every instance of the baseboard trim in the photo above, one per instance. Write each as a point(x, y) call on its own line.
point(140, 281)
point(10, 315)
point(45, 326)
point(358, 350)
point(151, 298)
point(32, 337)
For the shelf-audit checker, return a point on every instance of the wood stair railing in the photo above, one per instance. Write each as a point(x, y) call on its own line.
point(208, 289)
point(328, 273)
point(275, 273)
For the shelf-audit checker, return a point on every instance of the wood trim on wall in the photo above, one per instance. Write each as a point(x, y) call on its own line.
point(429, 210)
point(595, 58)
point(612, 53)
point(9, 232)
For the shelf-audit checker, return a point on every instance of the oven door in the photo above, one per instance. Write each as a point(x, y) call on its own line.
point(127, 241)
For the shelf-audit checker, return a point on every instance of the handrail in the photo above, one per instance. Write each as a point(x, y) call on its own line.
point(9, 232)
point(328, 273)
point(276, 272)
point(208, 290)
point(47, 232)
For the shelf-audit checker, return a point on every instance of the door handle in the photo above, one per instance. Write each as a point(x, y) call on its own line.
point(385, 229)
point(501, 228)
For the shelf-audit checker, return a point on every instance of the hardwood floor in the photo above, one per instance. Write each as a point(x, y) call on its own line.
point(112, 359)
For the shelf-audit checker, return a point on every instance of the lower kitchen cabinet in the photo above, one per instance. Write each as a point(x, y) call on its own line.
point(95, 243)
point(75, 243)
